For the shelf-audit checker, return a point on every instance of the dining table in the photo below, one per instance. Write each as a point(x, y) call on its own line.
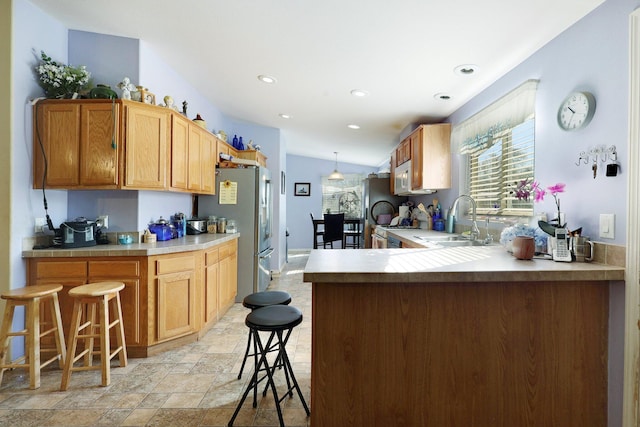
point(353, 227)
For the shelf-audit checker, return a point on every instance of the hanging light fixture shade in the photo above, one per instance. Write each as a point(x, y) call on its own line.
point(335, 175)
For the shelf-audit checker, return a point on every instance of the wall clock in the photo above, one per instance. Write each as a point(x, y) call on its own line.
point(576, 111)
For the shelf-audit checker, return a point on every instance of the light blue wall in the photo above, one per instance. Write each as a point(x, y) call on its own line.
point(592, 56)
point(307, 169)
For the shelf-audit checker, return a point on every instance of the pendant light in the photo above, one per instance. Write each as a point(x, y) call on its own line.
point(335, 175)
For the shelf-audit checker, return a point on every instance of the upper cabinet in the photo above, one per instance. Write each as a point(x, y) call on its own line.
point(431, 157)
point(430, 161)
point(76, 144)
point(146, 146)
point(104, 144)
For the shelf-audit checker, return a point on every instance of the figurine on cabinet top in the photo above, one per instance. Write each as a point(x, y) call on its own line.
point(127, 87)
point(168, 102)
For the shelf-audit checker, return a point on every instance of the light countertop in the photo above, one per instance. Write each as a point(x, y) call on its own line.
point(452, 264)
point(183, 244)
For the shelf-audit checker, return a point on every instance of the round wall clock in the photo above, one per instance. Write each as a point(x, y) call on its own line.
point(576, 111)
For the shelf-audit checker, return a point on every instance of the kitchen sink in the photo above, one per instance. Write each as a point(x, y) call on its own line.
point(451, 243)
point(448, 241)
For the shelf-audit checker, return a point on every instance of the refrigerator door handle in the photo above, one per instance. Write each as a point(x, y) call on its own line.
point(266, 253)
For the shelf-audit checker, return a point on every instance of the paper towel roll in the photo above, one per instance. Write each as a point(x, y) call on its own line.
point(404, 211)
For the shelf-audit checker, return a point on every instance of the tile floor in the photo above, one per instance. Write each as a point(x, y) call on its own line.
point(195, 385)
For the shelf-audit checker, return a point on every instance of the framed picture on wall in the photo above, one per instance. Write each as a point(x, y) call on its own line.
point(302, 189)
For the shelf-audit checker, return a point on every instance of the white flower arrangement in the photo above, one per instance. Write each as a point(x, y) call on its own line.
point(510, 233)
point(60, 80)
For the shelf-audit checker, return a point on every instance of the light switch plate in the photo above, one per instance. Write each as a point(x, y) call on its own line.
point(607, 226)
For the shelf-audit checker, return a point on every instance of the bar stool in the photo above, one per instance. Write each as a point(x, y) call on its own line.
point(95, 296)
point(259, 300)
point(275, 319)
point(30, 297)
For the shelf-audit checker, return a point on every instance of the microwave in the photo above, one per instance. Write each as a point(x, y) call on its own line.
point(403, 178)
point(403, 181)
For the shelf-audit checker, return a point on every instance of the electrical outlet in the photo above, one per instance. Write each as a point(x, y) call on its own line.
point(39, 225)
point(103, 221)
point(607, 226)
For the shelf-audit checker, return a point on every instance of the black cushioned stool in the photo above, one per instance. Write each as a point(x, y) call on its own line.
point(259, 300)
point(276, 319)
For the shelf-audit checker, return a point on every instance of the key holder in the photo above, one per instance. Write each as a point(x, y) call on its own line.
point(600, 154)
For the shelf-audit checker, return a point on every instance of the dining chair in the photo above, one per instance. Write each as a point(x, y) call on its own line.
point(333, 230)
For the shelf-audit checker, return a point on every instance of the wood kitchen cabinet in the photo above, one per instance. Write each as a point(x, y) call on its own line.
point(104, 144)
point(72, 273)
point(201, 173)
point(175, 288)
point(211, 286)
point(80, 141)
point(179, 153)
point(168, 300)
point(228, 265)
point(146, 146)
point(403, 152)
point(431, 157)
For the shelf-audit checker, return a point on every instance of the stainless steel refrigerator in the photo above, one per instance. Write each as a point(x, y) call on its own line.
point(253, 215)
point(376, 191)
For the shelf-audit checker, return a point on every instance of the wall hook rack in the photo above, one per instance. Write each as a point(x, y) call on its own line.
point(601, 153)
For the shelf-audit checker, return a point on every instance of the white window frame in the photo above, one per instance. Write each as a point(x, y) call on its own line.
point(344, 196)
point(508, 123)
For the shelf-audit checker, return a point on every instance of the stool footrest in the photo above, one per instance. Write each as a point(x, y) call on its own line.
point(22, 333)
point(53, 359)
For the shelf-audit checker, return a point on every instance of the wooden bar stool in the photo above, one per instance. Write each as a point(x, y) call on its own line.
point(95, 296)
point(30, 297)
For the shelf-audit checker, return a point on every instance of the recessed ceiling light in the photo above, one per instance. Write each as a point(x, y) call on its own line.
point(285, 116)
point(359, 93)
point(267, 79)
point(442, 96)
point(466, 69)
point(353, 126)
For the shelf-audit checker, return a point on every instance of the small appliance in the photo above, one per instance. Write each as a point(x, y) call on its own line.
point(76, 234)
point(196, 226)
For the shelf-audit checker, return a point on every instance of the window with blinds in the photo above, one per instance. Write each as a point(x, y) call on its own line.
point(343, 196)
point(497, 148)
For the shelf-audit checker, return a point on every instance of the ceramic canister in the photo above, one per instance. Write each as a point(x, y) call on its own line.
point(523, 247)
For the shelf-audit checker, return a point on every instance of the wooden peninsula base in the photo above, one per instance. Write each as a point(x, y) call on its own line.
point(448, 354)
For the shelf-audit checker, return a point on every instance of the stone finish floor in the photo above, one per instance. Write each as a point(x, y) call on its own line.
point(194, 385)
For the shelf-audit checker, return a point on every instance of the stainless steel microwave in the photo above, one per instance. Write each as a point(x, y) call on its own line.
point(403, 178)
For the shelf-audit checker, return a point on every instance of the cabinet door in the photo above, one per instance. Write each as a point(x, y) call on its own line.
point(179, 141)
point(196, 141)
point(57, 138)
point(99, 144)
point(392, 169)
point(127, 272)
point(176, 288)
point(431, 165)
point(208, 164)
point(146, 149)
point(228, 275)
point(211, 286)
point(176, 304)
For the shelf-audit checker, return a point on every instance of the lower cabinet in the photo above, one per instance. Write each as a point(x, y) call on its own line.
point(167, 299)
point(175, 285)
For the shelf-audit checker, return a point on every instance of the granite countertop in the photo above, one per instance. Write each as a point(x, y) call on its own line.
point(183, 244)
point(490, 263)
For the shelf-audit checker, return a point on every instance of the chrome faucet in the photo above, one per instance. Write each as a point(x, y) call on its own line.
point(475, 232)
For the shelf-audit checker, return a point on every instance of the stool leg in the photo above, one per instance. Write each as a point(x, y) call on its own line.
point(105, 345)
point(7, 321)
point(59, 334)
point(120, 331)
point(92, 330)
point(33, 342)
point(246, 354)
point(73, 342)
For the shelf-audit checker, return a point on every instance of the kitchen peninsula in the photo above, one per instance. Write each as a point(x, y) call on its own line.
point(460, 336)
point(175, 290)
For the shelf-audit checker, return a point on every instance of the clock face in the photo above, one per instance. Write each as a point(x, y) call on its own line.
point(576, 111)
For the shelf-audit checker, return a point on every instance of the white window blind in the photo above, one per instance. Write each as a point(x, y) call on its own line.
point(497, 148)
